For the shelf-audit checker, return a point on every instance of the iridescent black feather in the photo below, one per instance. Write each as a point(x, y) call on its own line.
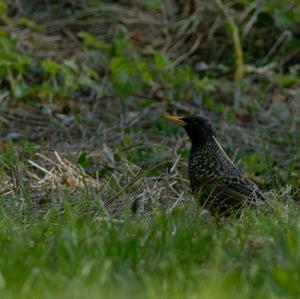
point(211, 172)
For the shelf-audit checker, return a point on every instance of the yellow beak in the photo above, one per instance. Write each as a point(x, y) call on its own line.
point(175, 119)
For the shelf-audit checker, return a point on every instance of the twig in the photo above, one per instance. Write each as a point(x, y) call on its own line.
point(190, 52)
point(41, 168)
point(251, 22)
point(285, 34)
point(175, 203)
point(175, 163)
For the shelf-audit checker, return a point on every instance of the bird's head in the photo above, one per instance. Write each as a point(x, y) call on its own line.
point(197, 127)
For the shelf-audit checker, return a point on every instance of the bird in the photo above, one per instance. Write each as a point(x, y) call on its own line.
point(218, 183)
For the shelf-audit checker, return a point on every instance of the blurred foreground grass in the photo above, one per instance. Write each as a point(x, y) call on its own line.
point(66, 252)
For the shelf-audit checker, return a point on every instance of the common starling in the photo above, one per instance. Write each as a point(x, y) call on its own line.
point(220, 185)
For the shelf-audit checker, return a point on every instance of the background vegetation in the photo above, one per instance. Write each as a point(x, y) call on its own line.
point(84, 88)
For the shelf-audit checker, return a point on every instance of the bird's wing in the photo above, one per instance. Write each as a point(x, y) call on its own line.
point(230, 181)
point(234, 183)
point(240, 187)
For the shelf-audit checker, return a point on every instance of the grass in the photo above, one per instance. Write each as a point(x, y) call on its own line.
point(64, 251)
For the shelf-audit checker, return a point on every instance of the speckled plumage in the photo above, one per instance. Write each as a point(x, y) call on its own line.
point(226, 187)
point(212, 174)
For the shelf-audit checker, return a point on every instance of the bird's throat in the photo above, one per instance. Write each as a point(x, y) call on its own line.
point(200, 140)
